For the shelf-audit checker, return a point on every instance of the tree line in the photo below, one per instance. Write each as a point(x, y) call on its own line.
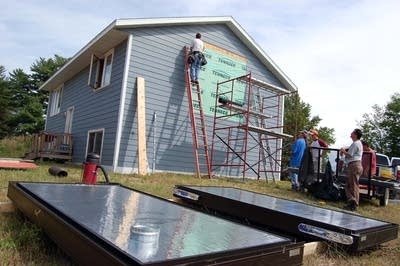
point(297, 117)
point(23, 106)
point(381, 127)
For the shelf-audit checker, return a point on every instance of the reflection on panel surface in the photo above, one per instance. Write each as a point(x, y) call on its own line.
point(340, 219)
point(145, 227)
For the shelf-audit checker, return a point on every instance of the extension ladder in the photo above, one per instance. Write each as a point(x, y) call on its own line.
point(264, 143)
point(199, 132)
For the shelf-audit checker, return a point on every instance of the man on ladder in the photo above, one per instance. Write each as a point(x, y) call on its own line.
point(200, 146)
point(196, 58)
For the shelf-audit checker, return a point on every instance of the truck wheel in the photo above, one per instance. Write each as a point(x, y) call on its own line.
point(384, 199)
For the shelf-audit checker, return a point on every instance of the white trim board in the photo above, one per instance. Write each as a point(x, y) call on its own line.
point(121, 113)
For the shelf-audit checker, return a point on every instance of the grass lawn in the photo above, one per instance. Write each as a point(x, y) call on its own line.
point(23, 243)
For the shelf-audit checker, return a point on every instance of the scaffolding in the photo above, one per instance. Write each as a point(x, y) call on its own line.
point(247, 129)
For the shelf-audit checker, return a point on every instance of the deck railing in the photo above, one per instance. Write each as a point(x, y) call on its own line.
point(51, 145)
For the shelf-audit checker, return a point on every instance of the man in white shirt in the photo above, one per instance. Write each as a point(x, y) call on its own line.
point(197, 48)
point(353, 158)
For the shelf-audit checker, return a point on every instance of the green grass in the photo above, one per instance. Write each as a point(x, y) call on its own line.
point(23, 243)
point(15, 147)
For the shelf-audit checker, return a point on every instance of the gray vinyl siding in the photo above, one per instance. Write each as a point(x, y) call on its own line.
point(92, 109)
point(56, 123)
point(157, 55)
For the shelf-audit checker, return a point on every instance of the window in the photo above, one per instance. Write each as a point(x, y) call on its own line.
point(55, 101)
point(103, 66)
point(95, 141)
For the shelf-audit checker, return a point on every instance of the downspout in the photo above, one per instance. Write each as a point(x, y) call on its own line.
point(122, 103)
point(279, 153)
point(47, 111)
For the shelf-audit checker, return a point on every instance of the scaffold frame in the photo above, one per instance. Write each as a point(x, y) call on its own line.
point(248, 128)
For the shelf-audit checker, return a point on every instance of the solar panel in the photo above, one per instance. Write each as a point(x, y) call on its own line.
point(137, 228)
point(296, 218)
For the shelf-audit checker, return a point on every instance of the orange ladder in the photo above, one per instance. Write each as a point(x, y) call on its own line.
point(199, 132)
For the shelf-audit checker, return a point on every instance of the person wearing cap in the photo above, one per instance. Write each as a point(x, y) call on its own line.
point(315, 151)
point(298, 148)
point(353, 158)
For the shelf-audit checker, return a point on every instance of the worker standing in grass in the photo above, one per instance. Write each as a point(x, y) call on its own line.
point(197, 49)
point(298, 148)
point(368, 160)
point(317, 154)
point(353, 158)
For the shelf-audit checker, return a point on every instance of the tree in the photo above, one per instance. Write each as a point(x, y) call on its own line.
point(391, 125)
point(372, 129)
point(29, 119)
point(327, 134)
point(28, 102)
point(26, 117)
point(5, 103)
point(297, 117)
point(42, 69)
point(381, 128)
point(21, 87)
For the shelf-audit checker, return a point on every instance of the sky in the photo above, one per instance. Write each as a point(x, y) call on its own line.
point(343, 55)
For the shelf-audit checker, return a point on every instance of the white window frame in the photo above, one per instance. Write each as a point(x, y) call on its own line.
point(88, 138)
point(55, 100)
point(103, 70)
point(69, 116)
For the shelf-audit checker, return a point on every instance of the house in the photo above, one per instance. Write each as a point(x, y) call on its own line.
point(94, 95)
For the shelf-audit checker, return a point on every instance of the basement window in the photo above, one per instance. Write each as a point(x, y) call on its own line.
point(55, 101)
point(100, 70)
point(95, 141)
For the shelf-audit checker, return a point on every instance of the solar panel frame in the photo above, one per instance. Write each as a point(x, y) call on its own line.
point(87, 247)
point(289, 224)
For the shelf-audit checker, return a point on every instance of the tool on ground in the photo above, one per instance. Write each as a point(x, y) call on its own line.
point(57, 171)
point(90, 167)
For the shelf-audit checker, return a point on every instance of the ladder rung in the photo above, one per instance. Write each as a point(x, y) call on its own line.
point(236, 152)
point(226, 164)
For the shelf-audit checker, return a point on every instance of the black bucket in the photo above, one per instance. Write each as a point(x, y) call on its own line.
point(57, 171)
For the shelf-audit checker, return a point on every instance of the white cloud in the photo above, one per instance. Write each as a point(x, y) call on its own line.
point(346, 63)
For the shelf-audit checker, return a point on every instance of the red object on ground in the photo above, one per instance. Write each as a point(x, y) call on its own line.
point(17, 164)
point(89, 173)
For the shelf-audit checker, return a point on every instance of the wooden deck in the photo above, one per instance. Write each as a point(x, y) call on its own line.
point(51, 146)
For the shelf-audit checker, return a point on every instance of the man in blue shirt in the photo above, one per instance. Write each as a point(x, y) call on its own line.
point(298, 148)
